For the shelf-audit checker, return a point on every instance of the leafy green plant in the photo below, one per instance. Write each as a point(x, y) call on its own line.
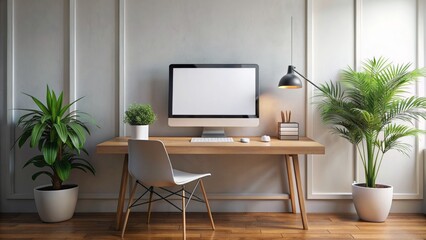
point(139, 114)
point(371, 109)
point(58, 134)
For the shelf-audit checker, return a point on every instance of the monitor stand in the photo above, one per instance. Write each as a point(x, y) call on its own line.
point(211, 132)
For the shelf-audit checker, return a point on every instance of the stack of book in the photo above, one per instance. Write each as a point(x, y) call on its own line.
point(288, 131)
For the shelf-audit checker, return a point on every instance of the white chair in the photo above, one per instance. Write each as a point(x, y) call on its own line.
point(150, 165)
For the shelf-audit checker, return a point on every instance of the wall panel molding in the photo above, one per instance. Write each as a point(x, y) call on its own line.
point(358, 6)
point(358, 26)
point(122, 66)
point(73, 53)
point(11, 98)
point(420, 91)
point(10, 94)
point(311, 115)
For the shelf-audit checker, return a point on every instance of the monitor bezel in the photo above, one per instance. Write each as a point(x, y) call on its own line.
point(246, 116)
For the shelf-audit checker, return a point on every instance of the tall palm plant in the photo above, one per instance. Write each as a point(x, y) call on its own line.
point(369, 109)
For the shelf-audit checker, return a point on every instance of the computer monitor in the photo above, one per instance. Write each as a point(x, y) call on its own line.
point(213, 96)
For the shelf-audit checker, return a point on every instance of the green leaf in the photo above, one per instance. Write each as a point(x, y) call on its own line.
point(69, 144)
point(37, 174)
point(35, 160)
point(83, 167)
point(80, 168)
point(83, 126)
point(53, 108)
point(50, 151)
point(39, 104)
point(87, 118)
point(48, 98)
point(37, 133)
point(66, 107)
point(74, 140)
point(59, 105)
point(41, 143)
point(62, 131)
point(85, 164)
point(85, 151)
point(23, 138)
point(45, 118)
point(63, 169)
point(24, 117)
point(79, 132)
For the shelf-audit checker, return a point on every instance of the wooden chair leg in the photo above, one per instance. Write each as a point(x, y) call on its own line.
point(149, 206)
point(183, 213)
point(207, 204)
point(128, 209)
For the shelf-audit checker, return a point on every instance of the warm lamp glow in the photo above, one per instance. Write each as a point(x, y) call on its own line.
point(289, 87)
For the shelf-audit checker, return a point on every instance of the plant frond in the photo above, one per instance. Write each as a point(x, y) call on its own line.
point(412, 108)
point(392, 135)
point(364, 105)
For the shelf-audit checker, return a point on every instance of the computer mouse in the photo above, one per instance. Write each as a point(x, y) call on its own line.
point(265, 138)
point(245, 140)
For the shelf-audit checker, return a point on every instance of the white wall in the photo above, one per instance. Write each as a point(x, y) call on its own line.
point(76, 46)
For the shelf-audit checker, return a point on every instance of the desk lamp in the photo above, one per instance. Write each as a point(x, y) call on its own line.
point(291, 81)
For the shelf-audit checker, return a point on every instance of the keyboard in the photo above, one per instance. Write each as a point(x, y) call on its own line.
point(212, 140)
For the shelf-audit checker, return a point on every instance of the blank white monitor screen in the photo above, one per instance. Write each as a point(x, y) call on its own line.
point(214, 91)
point(214, 95)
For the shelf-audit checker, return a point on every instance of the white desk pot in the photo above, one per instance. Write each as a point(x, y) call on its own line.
point(140, 132)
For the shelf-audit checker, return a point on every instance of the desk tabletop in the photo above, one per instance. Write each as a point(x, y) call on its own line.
point(183, 145)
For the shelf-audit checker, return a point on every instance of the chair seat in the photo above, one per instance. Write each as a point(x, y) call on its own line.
point(182, 178)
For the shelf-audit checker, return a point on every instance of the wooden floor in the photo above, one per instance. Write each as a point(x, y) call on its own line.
point(228, 226)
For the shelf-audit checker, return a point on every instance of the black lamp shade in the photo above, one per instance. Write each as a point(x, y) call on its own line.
point(290, 80)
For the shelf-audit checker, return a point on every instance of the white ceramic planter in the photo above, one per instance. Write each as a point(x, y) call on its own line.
point(372, 204)
point(139, 132)
point(56, 205)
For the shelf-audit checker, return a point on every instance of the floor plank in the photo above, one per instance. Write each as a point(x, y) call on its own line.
point(228, 226)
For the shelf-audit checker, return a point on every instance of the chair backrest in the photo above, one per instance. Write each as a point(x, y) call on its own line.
point(149, 163)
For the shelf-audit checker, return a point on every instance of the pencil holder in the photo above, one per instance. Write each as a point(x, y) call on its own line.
point(288, 131)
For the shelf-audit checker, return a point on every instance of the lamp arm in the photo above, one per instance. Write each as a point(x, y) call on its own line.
point(307, 80)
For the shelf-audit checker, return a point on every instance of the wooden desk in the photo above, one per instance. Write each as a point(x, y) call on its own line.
point(182, 145)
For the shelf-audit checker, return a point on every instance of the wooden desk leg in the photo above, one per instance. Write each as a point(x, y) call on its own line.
point(300, 191)
point(290, 183)
point(122, 195)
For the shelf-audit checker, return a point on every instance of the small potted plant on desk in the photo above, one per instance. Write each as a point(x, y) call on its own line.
point(139, 117)
point(60, 136)
point(371, 109)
